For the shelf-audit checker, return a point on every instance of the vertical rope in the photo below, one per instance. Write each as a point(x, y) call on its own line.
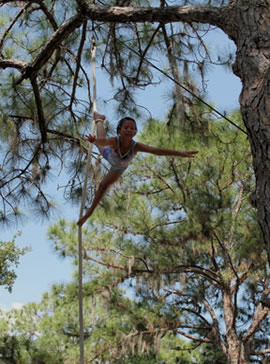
point(80, 246)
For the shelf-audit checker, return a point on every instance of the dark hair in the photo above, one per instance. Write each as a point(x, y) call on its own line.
point(121, 122)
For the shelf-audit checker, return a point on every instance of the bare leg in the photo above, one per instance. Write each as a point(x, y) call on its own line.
point(107, 181)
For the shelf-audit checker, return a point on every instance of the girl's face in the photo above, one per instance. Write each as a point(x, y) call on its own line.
point(128, 129)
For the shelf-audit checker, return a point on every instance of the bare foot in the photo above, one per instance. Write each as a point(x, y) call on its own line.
point(99, 116)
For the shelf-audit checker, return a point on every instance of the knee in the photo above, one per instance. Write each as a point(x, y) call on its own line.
point(107, 182)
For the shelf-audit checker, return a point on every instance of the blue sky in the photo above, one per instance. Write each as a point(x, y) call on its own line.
point(41, 267)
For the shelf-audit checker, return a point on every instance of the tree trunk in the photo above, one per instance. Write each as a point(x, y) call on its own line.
point(252, 65)
point(236, 353)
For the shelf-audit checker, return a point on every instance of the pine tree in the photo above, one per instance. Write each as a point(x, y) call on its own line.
point(44, 54)
point(188, 258)
point(10, 255)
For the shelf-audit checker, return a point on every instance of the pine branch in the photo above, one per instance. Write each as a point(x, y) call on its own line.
point(259, 315)
point(69, 137)
point(11, 25)
point(115, 14)
point(215, 326)
point(198, 314)
point(205, 273)
point(78, 65)
point(37, 151)
point(41, 118)
point(108, 265)
point(114, 47)
point(118, 15)
point(13, 63)
point(143, 54)
point(125, 230)
point(260, 352)
point(31, 70)
point(180, 111)
point(193, 337)
point(48, 14)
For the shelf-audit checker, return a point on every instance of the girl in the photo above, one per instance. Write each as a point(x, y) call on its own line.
point(119, 151)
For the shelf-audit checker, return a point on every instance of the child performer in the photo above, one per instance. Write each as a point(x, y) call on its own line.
point(119, 151)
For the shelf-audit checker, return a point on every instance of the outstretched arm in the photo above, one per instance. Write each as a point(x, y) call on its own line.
point(102, 142)
point(163, 151)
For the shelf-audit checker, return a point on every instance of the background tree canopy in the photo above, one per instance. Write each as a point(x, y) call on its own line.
point(9, 260)
point(189, 247)
point(186, 263)
point(44, 50)
point(46, 88)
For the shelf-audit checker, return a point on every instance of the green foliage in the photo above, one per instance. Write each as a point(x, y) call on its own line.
point(9, 350)
point(9, 259)
point(61, 115)
point(172, 249)
point(160, 254)
point(180, 244)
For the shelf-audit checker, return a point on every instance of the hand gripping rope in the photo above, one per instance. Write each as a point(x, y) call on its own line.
point(80, 247)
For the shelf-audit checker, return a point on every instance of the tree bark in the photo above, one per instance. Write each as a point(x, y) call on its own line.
point(248, 25)
point(236, 351)
point(170, 14)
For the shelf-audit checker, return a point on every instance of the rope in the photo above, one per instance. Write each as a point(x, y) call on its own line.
point(80, 247)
